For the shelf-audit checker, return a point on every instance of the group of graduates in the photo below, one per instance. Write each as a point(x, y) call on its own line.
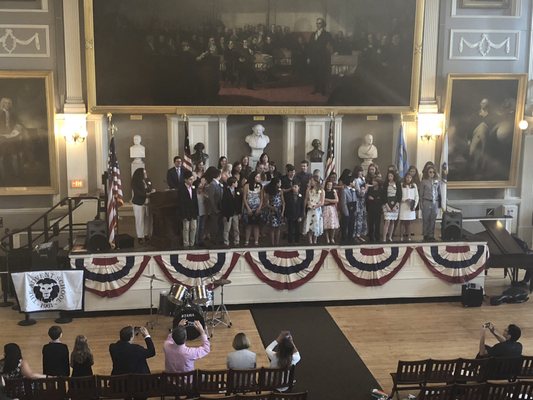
point(356, 207)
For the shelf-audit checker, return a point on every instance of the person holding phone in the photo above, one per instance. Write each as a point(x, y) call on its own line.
point(507, 346)
point(128, 357)
point(178, 356)
point(283, 353)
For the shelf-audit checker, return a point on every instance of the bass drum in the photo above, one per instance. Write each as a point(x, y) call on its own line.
point(191, 314)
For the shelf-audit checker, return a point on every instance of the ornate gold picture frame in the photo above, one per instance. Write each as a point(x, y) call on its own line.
point(482, 116)
point(285, 57)
point(27, 139)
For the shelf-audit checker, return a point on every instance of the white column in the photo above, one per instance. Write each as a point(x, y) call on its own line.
point(97, 129)
point(223, 135)
point(525, 223)
point(289, 130)
point(199, 132)
point(429, 54)
point(76, 153)
point(337, 140)
point(71, 23)
point(172, 137)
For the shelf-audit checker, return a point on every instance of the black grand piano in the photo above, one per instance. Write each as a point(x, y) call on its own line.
point(505, 252)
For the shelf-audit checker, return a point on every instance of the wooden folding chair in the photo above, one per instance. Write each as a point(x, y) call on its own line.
point(472, 391)
point(504, 368)
point(243, 380)
point(471, 370)
point(146, 385)
point(112, 386)
point(526, 370)
point(82, 388)
point(436, 393)
point(212, 381)
point(179, 384)
point(272, 379)
point(255, 396)
point(524, 390)
point(409, 375)
point(49, 388)
point(441, 371)
point(500, 391)
point(17, 388)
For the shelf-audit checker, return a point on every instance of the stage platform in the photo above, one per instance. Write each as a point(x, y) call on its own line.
point(121, 280)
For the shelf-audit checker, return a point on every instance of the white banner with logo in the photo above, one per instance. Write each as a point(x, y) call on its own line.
point(49, 290)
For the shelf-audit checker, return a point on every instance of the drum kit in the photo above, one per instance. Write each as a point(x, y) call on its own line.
point(194, 303)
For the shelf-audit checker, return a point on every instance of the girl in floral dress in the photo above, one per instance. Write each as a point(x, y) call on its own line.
point(329, 212)
point(314, 200)
point(276, 207)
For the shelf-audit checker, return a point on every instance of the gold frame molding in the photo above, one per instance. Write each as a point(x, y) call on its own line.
point(251, 110)
point(52, 156)
point(517, 139)
point(484, 4)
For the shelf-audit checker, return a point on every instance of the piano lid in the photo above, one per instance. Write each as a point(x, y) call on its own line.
point(500, 240)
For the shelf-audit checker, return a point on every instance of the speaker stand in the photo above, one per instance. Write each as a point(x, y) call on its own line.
point(63, 318)
point(27, 321)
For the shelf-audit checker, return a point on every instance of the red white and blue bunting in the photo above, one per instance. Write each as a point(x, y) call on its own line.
point(455, 264)
point(371, 266)
point(196, 269)
point(111, 276)
point(286, 269)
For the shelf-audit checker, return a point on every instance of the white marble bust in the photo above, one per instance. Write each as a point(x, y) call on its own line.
point(137, 150)
point(257, 141)
point(367, 152)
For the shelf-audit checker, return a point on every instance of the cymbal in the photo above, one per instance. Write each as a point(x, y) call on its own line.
point(222, 282)
point(155, 278)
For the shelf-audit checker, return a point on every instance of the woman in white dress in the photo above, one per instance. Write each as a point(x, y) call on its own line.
point(314, 200)
point(408, 206)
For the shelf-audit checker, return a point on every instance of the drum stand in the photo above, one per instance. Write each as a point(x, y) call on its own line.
point(221, 314)
point(152, 324)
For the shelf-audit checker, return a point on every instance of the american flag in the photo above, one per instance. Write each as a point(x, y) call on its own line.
point(330, 161)
point(114, 191)
point(187, 162)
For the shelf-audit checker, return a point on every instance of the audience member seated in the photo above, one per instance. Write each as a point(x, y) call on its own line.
point(241, 358)
point(15, 366)
point(508, 345)
point(81, 358)
point(282, 353)
point(130, 358)
point(55, 354)
point(178, 356)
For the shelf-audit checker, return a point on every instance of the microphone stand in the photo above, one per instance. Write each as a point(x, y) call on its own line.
point(151, 324)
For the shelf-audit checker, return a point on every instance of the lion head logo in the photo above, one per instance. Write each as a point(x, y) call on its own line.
point(46, 290)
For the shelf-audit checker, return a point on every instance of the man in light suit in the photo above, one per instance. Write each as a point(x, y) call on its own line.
point(214, 215)
point(130, 358)
point(175, 176)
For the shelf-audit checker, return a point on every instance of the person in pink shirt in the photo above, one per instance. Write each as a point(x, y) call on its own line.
point(178, 356)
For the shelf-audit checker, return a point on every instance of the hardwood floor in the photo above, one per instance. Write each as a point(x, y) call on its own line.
point(381, 334)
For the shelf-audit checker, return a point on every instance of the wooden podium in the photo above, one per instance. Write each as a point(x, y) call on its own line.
point(164, 209)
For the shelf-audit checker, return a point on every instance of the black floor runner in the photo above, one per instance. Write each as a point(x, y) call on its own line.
point(330, 368)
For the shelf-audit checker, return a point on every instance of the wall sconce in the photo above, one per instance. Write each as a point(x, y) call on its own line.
point(74, 128)
point(523, 125)
point(430, 126)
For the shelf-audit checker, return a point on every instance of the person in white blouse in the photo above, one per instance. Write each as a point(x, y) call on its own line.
point(408, 206)
point(241, 358)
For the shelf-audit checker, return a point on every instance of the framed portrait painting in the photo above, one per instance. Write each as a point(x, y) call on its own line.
point(482, 113)
point(253, 56)
point(27, 145)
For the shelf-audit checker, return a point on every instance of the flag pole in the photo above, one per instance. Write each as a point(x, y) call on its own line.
point(111, 129)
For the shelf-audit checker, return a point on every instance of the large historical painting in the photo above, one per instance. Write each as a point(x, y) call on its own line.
point(483, 112)
point(27, 150)
point(254, 53)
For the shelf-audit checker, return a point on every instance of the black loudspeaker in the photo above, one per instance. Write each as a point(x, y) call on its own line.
point(451, 226)
point(96, 237)
point(124, 241)
point(471, 295)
